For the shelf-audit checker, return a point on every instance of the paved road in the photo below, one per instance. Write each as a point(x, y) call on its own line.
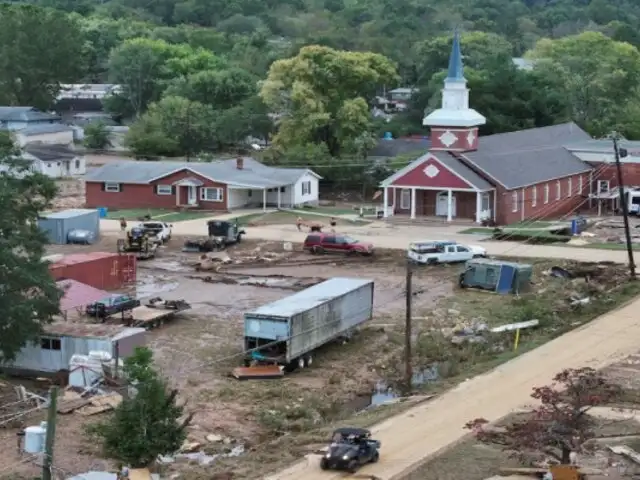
point(398, 237)
point(423, 431)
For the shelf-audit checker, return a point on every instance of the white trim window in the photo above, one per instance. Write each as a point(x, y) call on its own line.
point(164, 189)
point(534, 195)
point(558, 190)
point(603, 186)
point(306, 188)
point(112, 187)
point(580, 185)
point(514, 202)
point(569, 187)
point(211, 194)
point(405, 199)
point(546, 193)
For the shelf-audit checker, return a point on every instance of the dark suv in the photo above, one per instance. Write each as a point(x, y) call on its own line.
point(332, 243)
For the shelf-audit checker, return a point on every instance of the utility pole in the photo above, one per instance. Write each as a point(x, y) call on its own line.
point(407, 327)
point(47, 464)
point(622, 152)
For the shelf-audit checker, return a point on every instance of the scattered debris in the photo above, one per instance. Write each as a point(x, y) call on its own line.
point(72, 401)
point(627, 452)
point(258, 372)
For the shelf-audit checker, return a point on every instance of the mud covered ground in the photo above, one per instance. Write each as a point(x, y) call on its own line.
point(197, 350)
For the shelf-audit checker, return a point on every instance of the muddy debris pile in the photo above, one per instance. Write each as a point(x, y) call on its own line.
point(214, 261)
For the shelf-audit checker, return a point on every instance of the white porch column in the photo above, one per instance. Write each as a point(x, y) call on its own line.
point(449, 205)
point(278, 198)
point(385, 196)
point(413, 203)
point(264, 199)
point(478, 207)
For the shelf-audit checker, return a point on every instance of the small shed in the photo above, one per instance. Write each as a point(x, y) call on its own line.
point(62, 340)
point(78, 295)
point(57, 225)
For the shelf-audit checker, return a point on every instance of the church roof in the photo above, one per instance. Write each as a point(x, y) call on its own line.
point(526, 157)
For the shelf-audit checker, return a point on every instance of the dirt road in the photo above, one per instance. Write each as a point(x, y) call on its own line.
point(410, 438)
point(399, 237)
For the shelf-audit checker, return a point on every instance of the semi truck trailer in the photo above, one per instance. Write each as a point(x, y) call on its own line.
point(286, 332)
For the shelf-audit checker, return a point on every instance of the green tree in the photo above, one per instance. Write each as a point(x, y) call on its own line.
point(322, 96)
point(29, 297)
point(144, 68)
point(96, 136)
point(596, 73)
point(172, 127)
point(222, 89)
point(146, 425)
point(41, 48)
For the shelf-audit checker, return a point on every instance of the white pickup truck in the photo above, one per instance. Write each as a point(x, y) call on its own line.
point(161, 230)
point(432, 252)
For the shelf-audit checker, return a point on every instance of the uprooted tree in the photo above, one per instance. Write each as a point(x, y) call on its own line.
point(561, 423)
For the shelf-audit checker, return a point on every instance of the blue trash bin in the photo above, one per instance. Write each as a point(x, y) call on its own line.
point(102, 212)
point(575, 227)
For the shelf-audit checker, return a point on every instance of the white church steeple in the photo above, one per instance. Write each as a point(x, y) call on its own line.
point(454, 125)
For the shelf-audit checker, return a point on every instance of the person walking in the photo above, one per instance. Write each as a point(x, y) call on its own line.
point(333, 224)
point(299, 223)
point(123, 224)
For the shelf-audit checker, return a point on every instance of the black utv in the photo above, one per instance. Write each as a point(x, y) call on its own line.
point(350, 449)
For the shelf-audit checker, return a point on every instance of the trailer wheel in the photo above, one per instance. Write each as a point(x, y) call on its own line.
point(309, 360)
point(301, 362)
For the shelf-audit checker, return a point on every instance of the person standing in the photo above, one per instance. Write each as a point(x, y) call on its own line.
point(123, 224)
point(299, 223)
point(333, 224)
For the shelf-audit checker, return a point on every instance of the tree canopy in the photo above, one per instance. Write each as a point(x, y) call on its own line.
point(308, 74)
point(29, 296)
point(321, 96)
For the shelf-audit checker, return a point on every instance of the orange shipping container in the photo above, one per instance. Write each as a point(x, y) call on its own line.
point(106, 271)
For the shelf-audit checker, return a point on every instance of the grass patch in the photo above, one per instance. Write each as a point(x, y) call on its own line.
point(330, 210)
point(531, 225)
point(158, 214)
point(607, 246)
point(477, 231)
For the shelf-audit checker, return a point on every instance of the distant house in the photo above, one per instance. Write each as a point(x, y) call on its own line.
point(53, 351)
point(56, 161)
point(87, 97)
point(17, 118)
point(49, 134)
point(224, 185)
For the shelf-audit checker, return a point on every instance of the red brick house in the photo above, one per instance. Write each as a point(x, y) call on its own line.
point(529, 174)
point(223, 185)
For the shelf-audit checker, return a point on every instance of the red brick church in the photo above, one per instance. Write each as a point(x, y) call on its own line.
point(508, 177)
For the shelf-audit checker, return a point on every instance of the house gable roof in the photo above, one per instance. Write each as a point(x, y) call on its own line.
point(43, 129)
point(448, 161)
point(526, 157)
point(49, 153)
point(24, 114)
point(253, 174)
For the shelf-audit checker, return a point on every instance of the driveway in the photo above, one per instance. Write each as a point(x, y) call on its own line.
point(425, 430)
point(398, 237)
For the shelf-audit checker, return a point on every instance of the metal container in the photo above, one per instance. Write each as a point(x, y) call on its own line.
point(310, 318)
point(106, 271)
point(58, 225)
